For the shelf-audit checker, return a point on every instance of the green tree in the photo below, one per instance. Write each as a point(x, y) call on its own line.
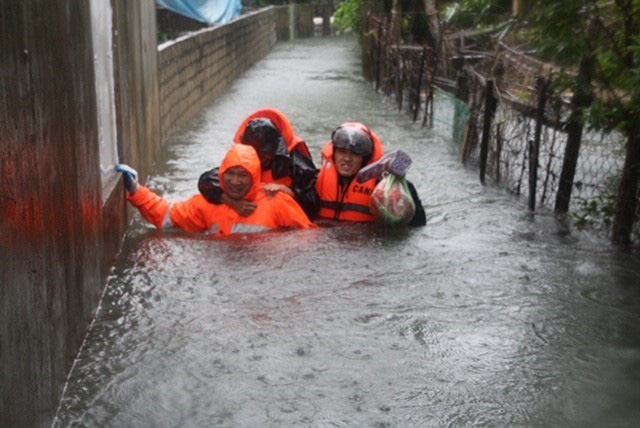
point(347, 17)
point(602, 39)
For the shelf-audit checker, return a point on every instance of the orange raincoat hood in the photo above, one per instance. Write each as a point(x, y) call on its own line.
point(246, 157)
point(281, 122)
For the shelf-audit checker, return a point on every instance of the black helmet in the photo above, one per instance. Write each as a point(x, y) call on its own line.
point(262, 135)
point(353, 136)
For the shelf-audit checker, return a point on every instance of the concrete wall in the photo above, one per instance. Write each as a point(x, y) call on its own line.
point(194, 69)
point(57, 236)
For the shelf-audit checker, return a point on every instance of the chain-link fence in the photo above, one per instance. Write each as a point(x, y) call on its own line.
point(500, 112)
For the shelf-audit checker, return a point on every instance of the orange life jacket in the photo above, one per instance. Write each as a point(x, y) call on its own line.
point(267, 177)
point(196, 214)
point(353, 203)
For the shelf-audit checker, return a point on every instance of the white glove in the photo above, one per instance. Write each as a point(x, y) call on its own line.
point(130, 177)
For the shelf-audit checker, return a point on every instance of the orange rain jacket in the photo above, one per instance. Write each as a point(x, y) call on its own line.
point(352, 204)
point(196, 214)
point(292, 166)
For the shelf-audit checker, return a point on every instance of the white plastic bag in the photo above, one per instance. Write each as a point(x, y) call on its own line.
point(391, 202)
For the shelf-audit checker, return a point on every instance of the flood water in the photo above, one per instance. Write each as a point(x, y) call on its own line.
point(488, 316)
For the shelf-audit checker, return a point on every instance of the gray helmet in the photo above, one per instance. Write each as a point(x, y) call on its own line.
point(353, 136)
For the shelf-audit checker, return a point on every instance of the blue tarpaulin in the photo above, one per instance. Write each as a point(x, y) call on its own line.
point(207, 11)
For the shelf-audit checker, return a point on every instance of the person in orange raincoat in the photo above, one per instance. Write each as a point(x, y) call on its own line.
point(240, 179)
point(352, 147)
point(287, 165)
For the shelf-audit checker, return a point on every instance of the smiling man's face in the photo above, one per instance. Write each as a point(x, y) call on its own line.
point(237, 182)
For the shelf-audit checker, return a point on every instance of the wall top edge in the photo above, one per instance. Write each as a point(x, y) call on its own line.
point(192, 34)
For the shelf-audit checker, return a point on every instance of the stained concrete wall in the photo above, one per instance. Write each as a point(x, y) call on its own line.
point(194, 69)
point(57, 236)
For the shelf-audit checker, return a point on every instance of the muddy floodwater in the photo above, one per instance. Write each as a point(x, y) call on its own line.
point(488, 316)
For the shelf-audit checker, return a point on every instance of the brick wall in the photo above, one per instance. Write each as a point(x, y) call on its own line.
point(194, 69)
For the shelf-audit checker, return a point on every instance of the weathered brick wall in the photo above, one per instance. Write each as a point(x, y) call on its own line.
point(193, 69)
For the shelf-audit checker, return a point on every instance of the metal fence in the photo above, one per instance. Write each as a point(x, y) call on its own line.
point(499, 111)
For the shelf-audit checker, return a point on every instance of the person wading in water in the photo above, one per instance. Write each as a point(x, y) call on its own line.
point(286, 163)
point(239, 175)
point(352, 147)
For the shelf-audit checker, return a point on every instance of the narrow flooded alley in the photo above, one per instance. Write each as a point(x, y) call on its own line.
point(487, 316)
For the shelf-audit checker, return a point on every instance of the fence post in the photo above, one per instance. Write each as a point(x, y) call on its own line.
point(579, 102)
point(470, 130)
point(569, 164)
point(627, 202)
point(399, 77)
point(489, 112)
point(534, 146)
point(385, 69)
point(468, 139)
point(416, 105)
point(378, 59)
point(428, 112)
point(498, 150)
point(428, 105)
point(462, 95)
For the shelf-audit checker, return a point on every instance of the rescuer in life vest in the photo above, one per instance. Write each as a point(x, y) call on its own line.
point(287, 165)
point(239, 175)
point(352, 147)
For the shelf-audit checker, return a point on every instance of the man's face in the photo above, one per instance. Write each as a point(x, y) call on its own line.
point(265, 153)
point(347, 163)
point(237, 182)
point(262, 135)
